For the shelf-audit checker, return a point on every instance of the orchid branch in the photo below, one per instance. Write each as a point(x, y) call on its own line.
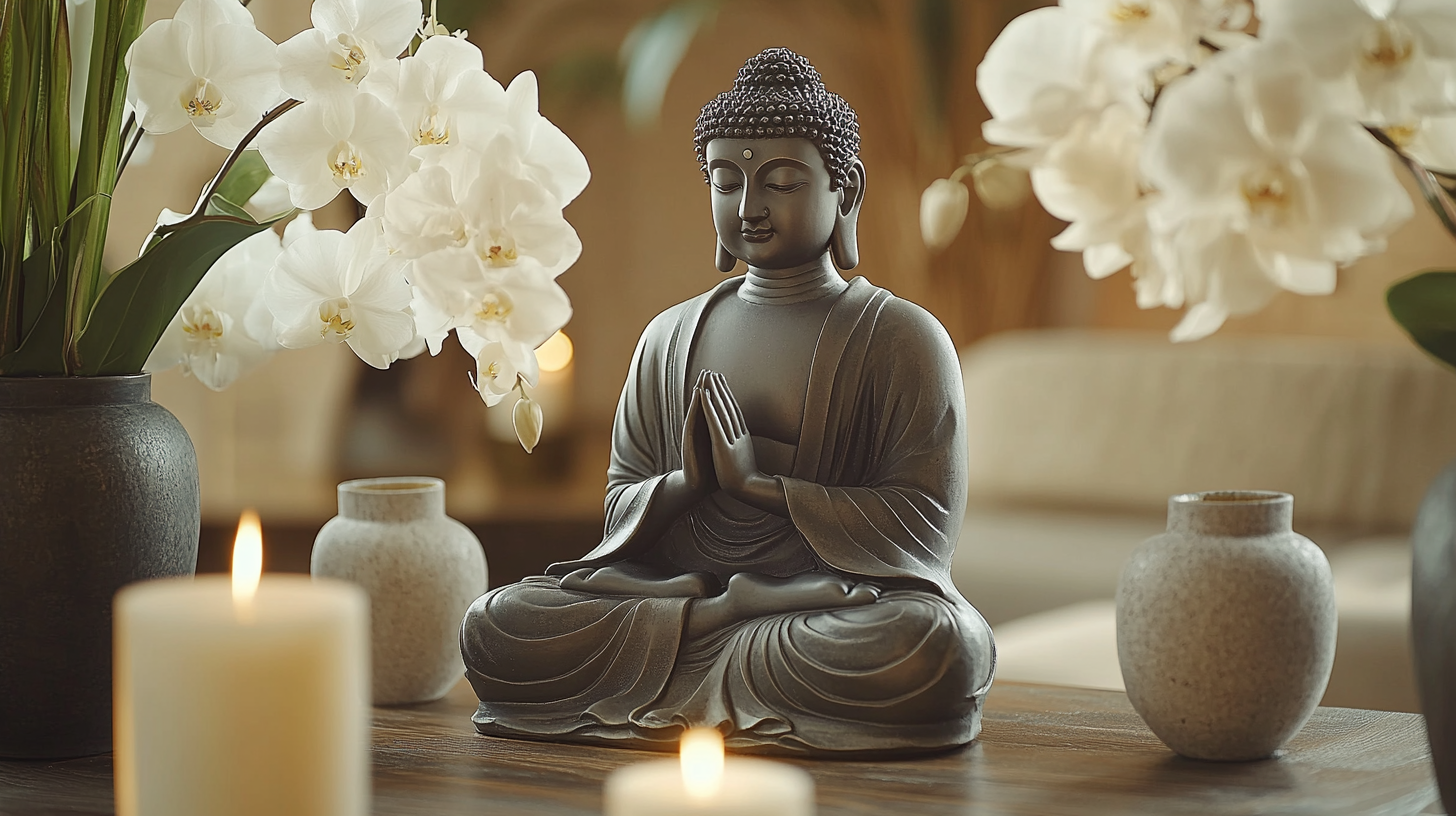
point(198, 214)
point(131, 145)
point(1437, 195)
point(971, 161)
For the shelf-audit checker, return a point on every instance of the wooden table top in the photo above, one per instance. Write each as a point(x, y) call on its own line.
point(1044, 751)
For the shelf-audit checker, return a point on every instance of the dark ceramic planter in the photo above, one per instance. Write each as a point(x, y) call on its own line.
point(98, 488)
point(1433, 625)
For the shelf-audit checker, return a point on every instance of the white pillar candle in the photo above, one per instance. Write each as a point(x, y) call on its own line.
point(704, 783)
point(241, 698)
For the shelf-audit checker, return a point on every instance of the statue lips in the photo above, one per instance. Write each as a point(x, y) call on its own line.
point(757, 236)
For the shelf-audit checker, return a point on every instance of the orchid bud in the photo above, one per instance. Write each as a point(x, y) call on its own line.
point(999, 185)
point(943, 208)
point(528, 420)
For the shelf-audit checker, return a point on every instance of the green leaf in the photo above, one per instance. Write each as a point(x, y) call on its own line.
point(244, 178)
point(42, 352)
point(221, 206)
point(1425, 306)
point(118, 22)
point(17, 126)
point(652, 52)
point(143, 297)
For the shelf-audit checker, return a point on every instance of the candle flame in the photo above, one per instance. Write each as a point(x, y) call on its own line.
point(702, 762)
point(555, 354)
point(247, 558)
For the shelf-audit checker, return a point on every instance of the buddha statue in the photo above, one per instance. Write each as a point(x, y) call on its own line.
point(787, 482)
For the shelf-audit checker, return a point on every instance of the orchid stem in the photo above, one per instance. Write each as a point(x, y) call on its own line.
point(1435, 193)
point(131, 146)
point(198, 214)
point(974, 160)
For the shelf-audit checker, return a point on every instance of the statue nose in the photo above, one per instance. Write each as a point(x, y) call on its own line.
point(751, 207)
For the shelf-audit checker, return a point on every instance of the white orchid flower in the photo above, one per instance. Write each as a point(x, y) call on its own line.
point(344, 288)
point(550, 157)
point(349, 39)
point(209, 67)
point(1142, 34)
point(223, 329)
point(301, 225)
point(499, 367)
point(432, 27)
point(1091, 179)
point(270, 200)
point(484, 201)
point(1263, 185)
point(443, 81)
point(1391, 58)
point(321, 147)
point(1039, 77)
point(1432, 142)
point(522, 305)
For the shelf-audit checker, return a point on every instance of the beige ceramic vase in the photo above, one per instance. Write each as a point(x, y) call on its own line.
point(421, 568)
point(1226, 626)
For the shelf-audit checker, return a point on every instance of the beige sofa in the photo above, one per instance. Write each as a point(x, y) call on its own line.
point(1078, 438)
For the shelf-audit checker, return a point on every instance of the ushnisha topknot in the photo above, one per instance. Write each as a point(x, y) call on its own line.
point(778, 94)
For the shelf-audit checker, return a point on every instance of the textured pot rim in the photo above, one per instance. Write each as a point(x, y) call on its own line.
point(58, 391)
point(1232, 498)
point(392, 486)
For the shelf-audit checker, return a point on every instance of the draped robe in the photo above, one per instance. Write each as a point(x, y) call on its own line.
point(876, 494)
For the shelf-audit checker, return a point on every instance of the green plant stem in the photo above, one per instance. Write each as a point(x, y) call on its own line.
point(118, 22)
point(198, 214)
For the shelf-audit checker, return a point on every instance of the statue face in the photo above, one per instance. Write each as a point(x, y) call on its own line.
point(772, 204)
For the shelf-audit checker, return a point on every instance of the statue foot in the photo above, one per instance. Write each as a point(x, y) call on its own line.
point(632, 581)
point(750, 596)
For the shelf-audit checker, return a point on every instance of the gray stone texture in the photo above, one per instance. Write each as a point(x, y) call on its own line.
point(98, 489)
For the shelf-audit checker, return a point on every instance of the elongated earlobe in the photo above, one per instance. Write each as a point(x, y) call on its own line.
point(844, 245)
point(844, 241)
point(725, 260)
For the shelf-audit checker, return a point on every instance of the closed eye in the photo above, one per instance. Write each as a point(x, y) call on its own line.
point(726, 188)
point(786, 188)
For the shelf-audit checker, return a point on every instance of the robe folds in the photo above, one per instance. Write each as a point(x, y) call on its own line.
point(876, 495)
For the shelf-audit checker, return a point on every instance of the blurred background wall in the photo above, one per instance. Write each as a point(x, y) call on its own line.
point(283, 436)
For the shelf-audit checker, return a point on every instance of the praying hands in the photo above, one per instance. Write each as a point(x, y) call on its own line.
point(718, 449)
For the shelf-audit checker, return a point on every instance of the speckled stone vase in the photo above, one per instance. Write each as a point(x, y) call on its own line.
point(421, 568)
point(98, 488)
point(1226, 626)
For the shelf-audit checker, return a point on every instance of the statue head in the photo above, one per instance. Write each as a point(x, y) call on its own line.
point(781, 155)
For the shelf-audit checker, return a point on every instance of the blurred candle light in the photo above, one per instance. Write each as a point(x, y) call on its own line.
point(702, 762)
point(556, 353)
point(242, 695)
point(247, 562)
point(703, 783)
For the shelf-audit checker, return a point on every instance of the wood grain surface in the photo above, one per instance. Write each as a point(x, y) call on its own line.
point(1044, 751)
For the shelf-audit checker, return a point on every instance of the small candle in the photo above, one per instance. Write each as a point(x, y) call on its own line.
point(702, 782)
point(241, 696)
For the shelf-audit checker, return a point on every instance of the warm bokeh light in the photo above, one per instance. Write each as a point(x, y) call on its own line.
point(556, 353)
point(247, 558)
point(702, 762)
